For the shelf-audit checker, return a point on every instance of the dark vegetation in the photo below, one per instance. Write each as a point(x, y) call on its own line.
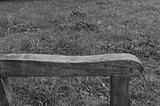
point(82, 27)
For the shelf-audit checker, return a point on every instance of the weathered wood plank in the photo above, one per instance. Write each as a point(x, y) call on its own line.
point(119, 91)
point(6, 93)
point(20, 65)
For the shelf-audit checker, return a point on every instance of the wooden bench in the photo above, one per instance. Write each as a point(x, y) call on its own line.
point(120, 66)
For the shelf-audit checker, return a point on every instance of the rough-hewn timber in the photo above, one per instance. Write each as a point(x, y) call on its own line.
point(120, 66)
point(6, 93)
point(25, 65)
point(119, 91)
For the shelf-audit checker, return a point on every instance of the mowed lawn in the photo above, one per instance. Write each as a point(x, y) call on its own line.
point(82, 27)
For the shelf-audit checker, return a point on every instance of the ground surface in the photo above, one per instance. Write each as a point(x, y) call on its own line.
point(82, 27)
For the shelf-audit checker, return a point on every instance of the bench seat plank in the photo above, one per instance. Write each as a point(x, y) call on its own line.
point(27, 65)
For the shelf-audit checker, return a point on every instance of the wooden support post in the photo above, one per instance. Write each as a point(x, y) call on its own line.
point(6, 93)
point(119, 91)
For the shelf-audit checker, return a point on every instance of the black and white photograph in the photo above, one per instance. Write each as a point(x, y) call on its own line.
point(79, 52)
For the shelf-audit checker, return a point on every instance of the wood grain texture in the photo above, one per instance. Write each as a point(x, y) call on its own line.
point(6, 93)
point(119, 91)
point(25, 65)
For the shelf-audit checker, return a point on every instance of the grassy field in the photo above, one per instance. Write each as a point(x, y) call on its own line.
point(82, 27)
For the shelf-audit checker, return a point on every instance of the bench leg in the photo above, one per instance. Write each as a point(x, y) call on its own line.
point(6, 93)
point(119, 91)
